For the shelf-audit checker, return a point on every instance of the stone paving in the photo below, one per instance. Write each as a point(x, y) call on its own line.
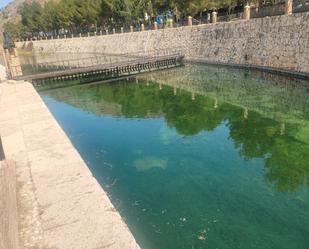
point(60, 204)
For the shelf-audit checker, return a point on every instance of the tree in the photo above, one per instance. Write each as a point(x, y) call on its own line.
point(14, 30)
point(81, 15)
point(31, 17)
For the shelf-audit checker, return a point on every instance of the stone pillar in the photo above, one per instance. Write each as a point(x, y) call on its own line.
point(95, 33)
point(106, 31)
point(170, 23)
point(155, 26)
point(100, 32)
point(247, 12)
point(142, 27)
point(114, 31)
point(131, 29)
point(65, 36)
point(193, 96)
point(72, 36)
point(121, 29)
point(88, 34)
point(190, 21)
point(288, 7)
point(214, 17)
point(57, 36)
point(80, 34)
point(52, 37)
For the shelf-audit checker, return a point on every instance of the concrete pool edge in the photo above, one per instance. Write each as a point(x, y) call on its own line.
point(271, 70)
point(60, 204)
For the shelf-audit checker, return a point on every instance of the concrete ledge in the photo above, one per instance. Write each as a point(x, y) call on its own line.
point(60, 204)
point(8, 206)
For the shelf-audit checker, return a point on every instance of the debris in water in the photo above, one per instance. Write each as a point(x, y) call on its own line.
point(136, 203)
point(113, 183)
point(202, 235)
point(108, 164)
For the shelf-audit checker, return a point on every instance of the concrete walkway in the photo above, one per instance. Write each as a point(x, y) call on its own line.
point(60, 204)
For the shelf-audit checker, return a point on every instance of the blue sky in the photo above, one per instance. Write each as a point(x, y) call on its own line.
point(4, 3)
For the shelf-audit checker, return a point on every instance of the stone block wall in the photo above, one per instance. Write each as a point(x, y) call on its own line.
point(280, 42)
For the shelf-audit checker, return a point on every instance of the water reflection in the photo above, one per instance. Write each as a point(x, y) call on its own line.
point(198, 179)
point(255, 133)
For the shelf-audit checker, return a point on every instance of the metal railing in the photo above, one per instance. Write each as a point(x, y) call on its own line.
point(100, 60)
point(300, 6)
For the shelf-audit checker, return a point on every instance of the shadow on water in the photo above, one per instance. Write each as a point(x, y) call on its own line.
point(210, 157)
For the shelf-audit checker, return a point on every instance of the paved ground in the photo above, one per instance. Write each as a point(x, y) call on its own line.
point(60, 204)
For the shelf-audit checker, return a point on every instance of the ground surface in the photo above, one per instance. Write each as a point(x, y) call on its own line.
point(60, 204)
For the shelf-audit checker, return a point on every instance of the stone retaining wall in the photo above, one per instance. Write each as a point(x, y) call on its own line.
point(277, 42)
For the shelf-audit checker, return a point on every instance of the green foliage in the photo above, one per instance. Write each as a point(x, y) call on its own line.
point(14, 30)
point(32, 16)
point(74, 16)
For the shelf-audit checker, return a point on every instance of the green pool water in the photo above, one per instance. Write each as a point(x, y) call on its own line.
point(198, 156)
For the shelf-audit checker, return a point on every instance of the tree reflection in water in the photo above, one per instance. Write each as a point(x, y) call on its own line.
point(268, 116)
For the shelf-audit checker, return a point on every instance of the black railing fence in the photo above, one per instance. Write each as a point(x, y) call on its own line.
point(279, 9)
point(91, 60)
point(300, 6)
point(272, 10)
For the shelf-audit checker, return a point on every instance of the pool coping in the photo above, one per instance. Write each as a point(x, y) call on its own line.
point(59, 202)
point(272, 70)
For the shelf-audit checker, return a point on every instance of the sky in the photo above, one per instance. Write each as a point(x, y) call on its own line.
point(4, 3)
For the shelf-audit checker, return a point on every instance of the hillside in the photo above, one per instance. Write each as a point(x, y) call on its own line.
point(10, 12)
